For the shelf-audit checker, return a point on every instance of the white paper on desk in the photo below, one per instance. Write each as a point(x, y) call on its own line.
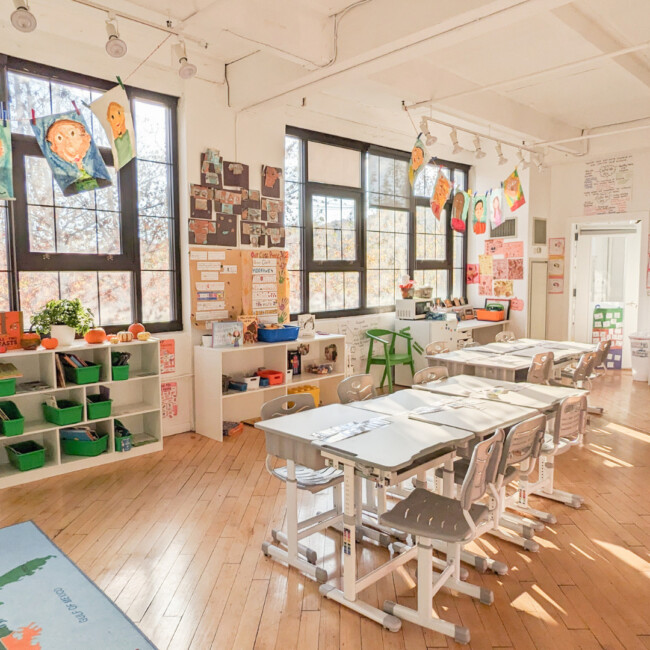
point(349, 429)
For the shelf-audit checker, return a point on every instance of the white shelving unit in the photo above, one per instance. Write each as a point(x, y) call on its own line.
point(136, 403)
point(212, 406)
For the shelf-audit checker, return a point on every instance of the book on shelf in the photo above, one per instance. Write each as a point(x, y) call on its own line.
point(31, 386)
point(60, 375)
point(9, 371)
point(78, 433)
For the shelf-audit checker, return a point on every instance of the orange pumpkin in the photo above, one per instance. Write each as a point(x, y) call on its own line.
point(136, 328)
point(96, 335)
point(30, 341)
point(50, 344)
point(113, 339)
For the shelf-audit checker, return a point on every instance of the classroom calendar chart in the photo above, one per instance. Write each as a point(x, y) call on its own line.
point(265, 285)
point(608, 325)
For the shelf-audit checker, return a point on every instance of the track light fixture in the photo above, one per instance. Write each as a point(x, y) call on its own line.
point(523, 163)
point(538, 159)
point(502, 159)
point(479, 153)
point(431, 139)
point(22, 18)
point(454, 140)
point(186, 70)
point(115, 46)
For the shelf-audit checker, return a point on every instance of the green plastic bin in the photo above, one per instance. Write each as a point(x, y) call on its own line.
point(98, 407)
point(120, 373)
point(86, 375)
point(7, 387)
point(16, 424)
point(26, 455)
point(68, 412)
point(123, 443)
point(85, 447)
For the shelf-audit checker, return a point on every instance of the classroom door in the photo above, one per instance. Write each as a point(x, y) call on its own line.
point(606, 266)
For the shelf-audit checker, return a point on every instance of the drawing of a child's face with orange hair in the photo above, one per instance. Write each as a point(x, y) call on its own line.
point(271, 175)
point(417, 157)
point(69, 140)
point(512, 187)
point(116, 119)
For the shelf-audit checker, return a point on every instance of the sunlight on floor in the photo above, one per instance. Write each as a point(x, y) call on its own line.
point(626, 555)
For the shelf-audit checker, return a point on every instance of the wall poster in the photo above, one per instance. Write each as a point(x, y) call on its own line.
point(608, 185)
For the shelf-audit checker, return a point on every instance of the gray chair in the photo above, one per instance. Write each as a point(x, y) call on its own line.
point(433, 373)
point(301, 478)
point(541, 368)
point(600, 365)
point(356, 389)
point(435, 347)
point(580, 375)
point(505, 337)
point(468, 344)
point(428, 516)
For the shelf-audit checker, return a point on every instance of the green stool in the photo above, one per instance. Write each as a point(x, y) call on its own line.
point(389, 358)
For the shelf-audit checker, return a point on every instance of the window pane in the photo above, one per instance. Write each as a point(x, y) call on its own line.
point(430, 235)
point(3, 237)
point(295, 299)
point(109, 239)
point(41, 229)
point(155, 243)
point(334, 234)
point(37, 288)
point(156, 296)
point(82, 285)
point(293, 236)
point(316, 292)
point(76, 231)
point(153, 189)
point(150, 124)
point(334, 291)
point(351, 290)
point(292, 159)
point(27, 93)
point(292, 204)
point(39, 181)
point(115, 290)
point(4, 292)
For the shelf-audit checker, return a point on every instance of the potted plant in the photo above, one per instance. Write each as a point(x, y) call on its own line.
point(63, 319)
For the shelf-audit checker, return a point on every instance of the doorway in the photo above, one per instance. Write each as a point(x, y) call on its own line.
point(605, 264)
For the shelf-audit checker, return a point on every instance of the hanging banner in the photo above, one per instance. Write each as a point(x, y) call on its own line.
point(459, 210)
point(6, 167)
point(419, 159)
point(513, 191)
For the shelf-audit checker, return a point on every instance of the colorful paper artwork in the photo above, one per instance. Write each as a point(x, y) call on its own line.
point(485, 285)
point(495, 207)
point(202, 232)
point(6, 164)
point(459, 211)
point(419, 159)
point(479, 214)
point(169, 399)
point(556, 267)
point(517, 304)
point(494, 246)
point(167, 356)
point(70, 151)
point(556, 246)
point(226, 230)
point(472, 274)
point(253, 234)
point(250, 327)
point(113, 110)
point(441, 192)
point(273, 211)
point(271, 181)
point(503, 288)
point(212, 169)
point(200, 202)
point(500, 269)
point(485, 264)
point(513, 248)
point(235, 174)
point(275, 236)
point(556, 285)
point(515, 269)
point(513, 191)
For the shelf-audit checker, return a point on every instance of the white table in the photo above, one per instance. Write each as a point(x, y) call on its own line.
point(457, 361)
point(402, 402)
point(499, 366)
point(502, 348)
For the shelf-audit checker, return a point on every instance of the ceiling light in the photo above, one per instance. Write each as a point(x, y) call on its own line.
point(479, 153)
point(539, 161)
point(431, 139)
point(522, 161)
point(186, 70)
point(454, 140)
point(502, 159)
point(115, 46)
point(423, 125)
point(22, 18)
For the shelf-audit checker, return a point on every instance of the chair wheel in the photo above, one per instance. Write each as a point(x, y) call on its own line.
point(265, 549)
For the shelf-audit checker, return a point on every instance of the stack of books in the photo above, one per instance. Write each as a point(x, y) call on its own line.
point(78, 433)
point(71, 360)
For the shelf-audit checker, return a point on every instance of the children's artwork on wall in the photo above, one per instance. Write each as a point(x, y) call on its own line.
point(485, 264)
point(251, 199)
point(513, 248)
point(485, 285)
point(556, 267)
point(515, 268)
point(307, 325)
point(556, 285)
point(71, 153)
point(113, 111)
point(513, 191)
point(441, 192)
point(556, 246)
point(253, 234)
point(249, 325)
point(227, 334)
point(211, 169)
point(200, 202)
point(503, 288)
point(265, 287)
point(494, 246)
point(273, 211)
point(167, 356)
point(517, 304)
point(275, 236)
point(459, 210)
point(472, 274)
point(6, 164)
point(235, 174)
point(202, 232)
point(226, 234)
point(271, 181)
point(500, 269)
point(419, 159)
point(479, 213)
point(495, 207)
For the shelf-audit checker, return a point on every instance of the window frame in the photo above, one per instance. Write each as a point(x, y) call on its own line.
point(310, 188)
point(22, 259)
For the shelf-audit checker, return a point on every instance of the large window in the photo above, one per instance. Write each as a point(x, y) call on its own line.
point(355, 226)
point(116, 248)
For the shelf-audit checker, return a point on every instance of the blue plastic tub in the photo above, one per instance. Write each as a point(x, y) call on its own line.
point(285, 333)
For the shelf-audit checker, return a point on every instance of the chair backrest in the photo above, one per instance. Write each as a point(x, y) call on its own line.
point(585, 366)
point(436, 347)
point(287, 404)
point(602, 352)
point(356, 389)
point(482, 469)
point(505, 336)
point(432, 373)
point(523, 441)
point(571, 418)
point(541, 368)
point(468, 344)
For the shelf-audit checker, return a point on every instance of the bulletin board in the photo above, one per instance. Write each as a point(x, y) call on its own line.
point(266, 285)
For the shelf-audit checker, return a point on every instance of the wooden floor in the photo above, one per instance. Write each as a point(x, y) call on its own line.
point(174, 538)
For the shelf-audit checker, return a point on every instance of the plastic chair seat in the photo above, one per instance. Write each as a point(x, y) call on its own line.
point(433, 516)
point(462, 465)
point(312, 480)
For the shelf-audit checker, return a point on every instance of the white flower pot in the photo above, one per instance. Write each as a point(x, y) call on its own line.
point(63, 334)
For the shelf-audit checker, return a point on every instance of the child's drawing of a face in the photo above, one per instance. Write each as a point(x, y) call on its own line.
point(116, 119)
point(417, 157)
point(271, 176)
point(69, 140)
point(478, 210)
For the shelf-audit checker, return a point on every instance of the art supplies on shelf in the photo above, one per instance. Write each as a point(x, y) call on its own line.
point(320, 368)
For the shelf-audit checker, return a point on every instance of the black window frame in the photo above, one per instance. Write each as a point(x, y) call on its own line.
point(309, 188)
point(22, 259)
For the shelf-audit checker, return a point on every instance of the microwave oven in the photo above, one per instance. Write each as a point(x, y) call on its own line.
point(412, 308)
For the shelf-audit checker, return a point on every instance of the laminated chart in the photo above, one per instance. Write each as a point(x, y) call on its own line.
point(608, 324)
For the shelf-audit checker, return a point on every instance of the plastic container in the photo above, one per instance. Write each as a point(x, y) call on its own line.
point(98, 407)
point(640, 347)
point(307, 388)
point(275, 377)
point(16, 424)
point(67, 412)
point(85, 447)
point(123, 443)
point(487, 314)
point(86, 375)
point(284, 333)
point(120, 373)
point(7, 387)
point(26, 455)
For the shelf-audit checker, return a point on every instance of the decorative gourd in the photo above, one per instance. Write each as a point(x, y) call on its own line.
point(144, 336)
point(124, 337)
point(113, 339)
point(136, 328)
point(50, 344)
point(30, 341)
point(3, 349)
point(95, 335)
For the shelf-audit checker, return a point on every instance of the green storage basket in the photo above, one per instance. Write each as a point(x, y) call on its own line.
point(16, 424)
point(85, 447)
point(67, 412)
point(124, 441)
point(86, 375)
point(98, 407)
point(120, 373)
point(7, 387)
point(26, 455)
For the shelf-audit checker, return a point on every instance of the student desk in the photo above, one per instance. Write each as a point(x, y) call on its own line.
point(403, 401)
point(458, 361)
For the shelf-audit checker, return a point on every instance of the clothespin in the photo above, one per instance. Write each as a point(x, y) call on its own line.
point(33, 116)
point(76, 108)
point(119, 81)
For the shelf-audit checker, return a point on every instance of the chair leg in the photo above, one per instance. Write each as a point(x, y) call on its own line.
point(548, 491)
point(412, 365)
point(383, 377)
point(389, 374)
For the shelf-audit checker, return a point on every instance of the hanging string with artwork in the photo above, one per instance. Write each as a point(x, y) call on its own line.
point(479, 213)
point(513, 191)
point(441, 192)
point(419, 159)
point(6, 166)
point(459, 210)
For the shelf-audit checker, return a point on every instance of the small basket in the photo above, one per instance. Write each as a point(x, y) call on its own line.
point(67, 412)
point(7, 387)
point(284, 333)
point(487, 314)
point(85, 375)
point(16, 423)
point(275, 377)
point(26, 455)
point(98, 407)
point(85, 447)
point(123, 443)
point(120, 373)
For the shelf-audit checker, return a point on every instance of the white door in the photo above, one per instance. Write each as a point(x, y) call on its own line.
point(606, 270)
point(537, 299)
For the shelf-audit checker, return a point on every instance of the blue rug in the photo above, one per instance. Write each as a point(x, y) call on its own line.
point(47, 603)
